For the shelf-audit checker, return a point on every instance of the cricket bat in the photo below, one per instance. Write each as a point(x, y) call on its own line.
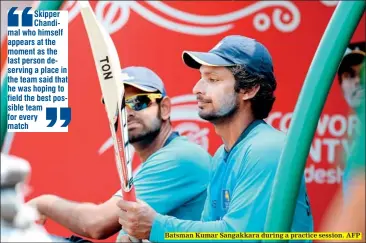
point(109, 73)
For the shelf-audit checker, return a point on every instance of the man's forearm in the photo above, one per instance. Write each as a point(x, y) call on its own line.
point(75, 216)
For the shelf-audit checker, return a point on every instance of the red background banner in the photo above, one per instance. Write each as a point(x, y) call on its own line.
point(79, 165)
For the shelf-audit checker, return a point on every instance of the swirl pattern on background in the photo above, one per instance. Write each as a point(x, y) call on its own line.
point(285, 16)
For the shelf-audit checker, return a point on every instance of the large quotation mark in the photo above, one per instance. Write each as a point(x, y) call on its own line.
point(27, 18)
point(51, 115)
point(65, 115)
point(13, 18)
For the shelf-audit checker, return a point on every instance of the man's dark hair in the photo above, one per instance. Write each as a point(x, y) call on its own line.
point(262, 102)
point(347, 63)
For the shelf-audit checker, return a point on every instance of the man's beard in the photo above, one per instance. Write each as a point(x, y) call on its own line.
point(230, 106)
point(148, 135)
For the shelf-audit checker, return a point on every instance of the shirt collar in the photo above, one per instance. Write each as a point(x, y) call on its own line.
point(246, 131)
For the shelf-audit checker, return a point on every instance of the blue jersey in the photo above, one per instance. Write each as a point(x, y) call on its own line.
point(174, 179)
point(240, 187)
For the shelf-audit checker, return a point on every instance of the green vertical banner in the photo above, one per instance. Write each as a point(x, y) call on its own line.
point(43, 5)
point(307, 112)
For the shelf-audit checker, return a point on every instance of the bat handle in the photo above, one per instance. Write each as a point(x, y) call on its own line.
point(131, 196)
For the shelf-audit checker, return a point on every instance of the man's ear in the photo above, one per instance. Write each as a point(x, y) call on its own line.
point(165, 108)
point(248, 94)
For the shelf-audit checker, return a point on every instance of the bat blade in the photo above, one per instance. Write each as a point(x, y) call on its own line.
point(105, 58)
point(109, 74)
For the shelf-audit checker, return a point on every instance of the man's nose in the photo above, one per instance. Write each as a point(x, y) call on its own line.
point(198, 87)
point(129, 111)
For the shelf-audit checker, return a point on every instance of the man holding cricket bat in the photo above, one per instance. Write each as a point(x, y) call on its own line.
point(173, 177)
point(235, 93)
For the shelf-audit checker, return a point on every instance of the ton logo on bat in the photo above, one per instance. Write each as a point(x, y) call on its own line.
point(107, 74)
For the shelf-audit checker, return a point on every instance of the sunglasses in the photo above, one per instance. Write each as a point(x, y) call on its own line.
point(141, 101)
